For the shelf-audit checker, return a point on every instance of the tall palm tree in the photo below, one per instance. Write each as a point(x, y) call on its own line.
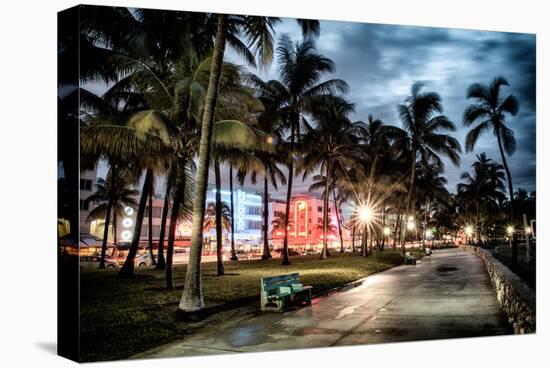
point(218, 217)
point(258, 34)
point(483, 188)
point(426, 128)
point(489, 111)
point(300, 69)
point(112, 195)
point(331, 147)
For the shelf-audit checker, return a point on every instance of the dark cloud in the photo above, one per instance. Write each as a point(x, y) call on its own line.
point(381, 62)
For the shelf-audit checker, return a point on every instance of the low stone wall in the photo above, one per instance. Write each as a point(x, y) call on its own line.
point(515, 297)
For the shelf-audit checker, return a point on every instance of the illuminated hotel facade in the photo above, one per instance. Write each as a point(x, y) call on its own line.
point(305, 224)
point(248, 208)
point(305, 227)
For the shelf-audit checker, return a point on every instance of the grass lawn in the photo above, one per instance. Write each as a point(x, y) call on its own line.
point(120, 318)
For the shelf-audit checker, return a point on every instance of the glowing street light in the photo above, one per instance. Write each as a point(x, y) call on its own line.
point(429, 233)
point(386, 231)
point(411, 225)
point(469, 231)
point(510, 230)
point(365, 214)
point(528, 230)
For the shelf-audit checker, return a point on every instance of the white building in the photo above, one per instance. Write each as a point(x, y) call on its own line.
point(248, 209)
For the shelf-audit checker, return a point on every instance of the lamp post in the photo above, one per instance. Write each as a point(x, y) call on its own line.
point(469, 230)
point(411, 226)
point(510, 233)
point(365, 217)
point(386, 233)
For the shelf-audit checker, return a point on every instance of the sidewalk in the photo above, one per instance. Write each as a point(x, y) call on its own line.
point(446, 295)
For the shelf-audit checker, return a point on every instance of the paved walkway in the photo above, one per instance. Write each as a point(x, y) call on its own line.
point(446, 295)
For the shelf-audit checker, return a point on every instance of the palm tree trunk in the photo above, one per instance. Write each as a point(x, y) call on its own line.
point(286, 260)
point(338, 219)
point(150, 225)
point(266, 254)
point(383, 225)
point(115, 241)
point(176, 204)
point(127, 269)
point(105, 232)
point(233, 254)
point(364, 241)
point(409, 194)
point(397, 232)
point(219, 234)
point(191, 299)
point(511, 194)
point(325, 212)
point(478, 223)
point(353, 238)
point(161, 262)
point(426, 209)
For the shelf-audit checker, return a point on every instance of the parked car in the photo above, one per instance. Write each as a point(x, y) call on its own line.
point(144, 260)
point(180, 256)
point(93, 262)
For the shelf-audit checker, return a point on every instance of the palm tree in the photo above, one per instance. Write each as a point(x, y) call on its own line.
point(169, 184)
point(301, 69)
point(258, 33)
point(484, 188)
point(278, 221)
point(331, 145)
point(489, 111)
point(210, 218)
point(420, 115)
point(218, 217)
point(112, 195)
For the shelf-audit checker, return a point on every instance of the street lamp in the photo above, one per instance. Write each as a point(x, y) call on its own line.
point(365, 214)
point(510, 233)
point(429, 233)
point(469, 230)
point(411, 225)
point(386, 231)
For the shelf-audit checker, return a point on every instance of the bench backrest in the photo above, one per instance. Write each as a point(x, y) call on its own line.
point(271, 284)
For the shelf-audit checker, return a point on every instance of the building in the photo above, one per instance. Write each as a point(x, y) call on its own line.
point(305, 223)
point(88, 181)
point(248, 215)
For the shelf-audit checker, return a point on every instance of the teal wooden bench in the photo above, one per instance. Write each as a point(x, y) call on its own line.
point(409, 258)
point(280, 291)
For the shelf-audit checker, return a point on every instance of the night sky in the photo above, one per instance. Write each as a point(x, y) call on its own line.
point(381, 62)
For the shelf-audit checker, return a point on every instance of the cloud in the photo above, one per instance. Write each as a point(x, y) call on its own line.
point(381, 62)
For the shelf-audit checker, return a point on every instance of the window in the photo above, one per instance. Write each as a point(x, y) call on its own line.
point(157, 212)
point(156, 231)
point(84, 205)
point(253, 210)
point(319, 209)
point(253, 225)
point(85, 184)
